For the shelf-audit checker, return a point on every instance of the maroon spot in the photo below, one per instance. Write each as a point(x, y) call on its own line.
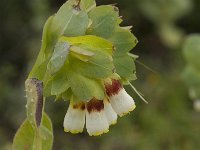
point(95, 105)
point(114, 88)
point(79, 106)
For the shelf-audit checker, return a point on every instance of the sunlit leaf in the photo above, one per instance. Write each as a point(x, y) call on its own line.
point(91, 41)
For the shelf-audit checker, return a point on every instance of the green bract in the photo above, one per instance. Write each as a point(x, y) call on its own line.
point(82, 46)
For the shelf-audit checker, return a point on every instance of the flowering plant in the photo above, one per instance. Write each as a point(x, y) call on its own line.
point(85, 58)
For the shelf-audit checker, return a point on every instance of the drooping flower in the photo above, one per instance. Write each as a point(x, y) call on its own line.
point(110, 113)
point(121, 101)
point(74, 120)
point(99, 114)
point(96, 121)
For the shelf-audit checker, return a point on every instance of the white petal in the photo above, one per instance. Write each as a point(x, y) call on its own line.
point(96, 121)
point(110, 113)
point(74, 120)
point(122, 102)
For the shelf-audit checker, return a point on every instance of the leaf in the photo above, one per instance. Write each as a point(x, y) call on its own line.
point(75, 28)
point(47, 88)
point(46, 132)
point(58, 57)
point(80, 53)
point(64, 22)
point(67, 94)
point(85, 88)
point(125, 66)
point(62, 18)
point(60, 82)
point(98, 66)
point(87, 5)
point(191, 50)
point(25, 136)
point(123, 40)
point(104, 20)
point(40, 65)
point(91, 41)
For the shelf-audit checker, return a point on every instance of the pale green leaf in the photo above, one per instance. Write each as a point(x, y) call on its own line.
point(91, 41)
point(60, 82)
point(123, 40)
point(58, 57)
point(85, 88)
point(46, 132)
point(25, 137)
point(97, 66)
point(104, 20)
point(40, 65)
point(81, 51)
point(87, 5)
point(78, 24)
point(64, 22)
point(125, 66)
point(47, 88)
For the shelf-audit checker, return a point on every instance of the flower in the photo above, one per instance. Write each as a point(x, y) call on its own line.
point(120, 100)
point(99, 114)
point(110, 113)
point(74, 120)
point(96, 120)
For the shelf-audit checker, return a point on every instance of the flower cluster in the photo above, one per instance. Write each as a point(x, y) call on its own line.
point(99, 114)
point(85, 58)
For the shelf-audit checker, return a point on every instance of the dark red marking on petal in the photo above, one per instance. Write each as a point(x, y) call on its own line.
point(79, 106)
point(95, 105)
point(114, 88)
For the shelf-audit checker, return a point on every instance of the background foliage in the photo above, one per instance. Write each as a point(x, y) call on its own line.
point(167, 122)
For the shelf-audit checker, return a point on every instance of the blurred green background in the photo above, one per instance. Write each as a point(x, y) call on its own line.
point(168, 122)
